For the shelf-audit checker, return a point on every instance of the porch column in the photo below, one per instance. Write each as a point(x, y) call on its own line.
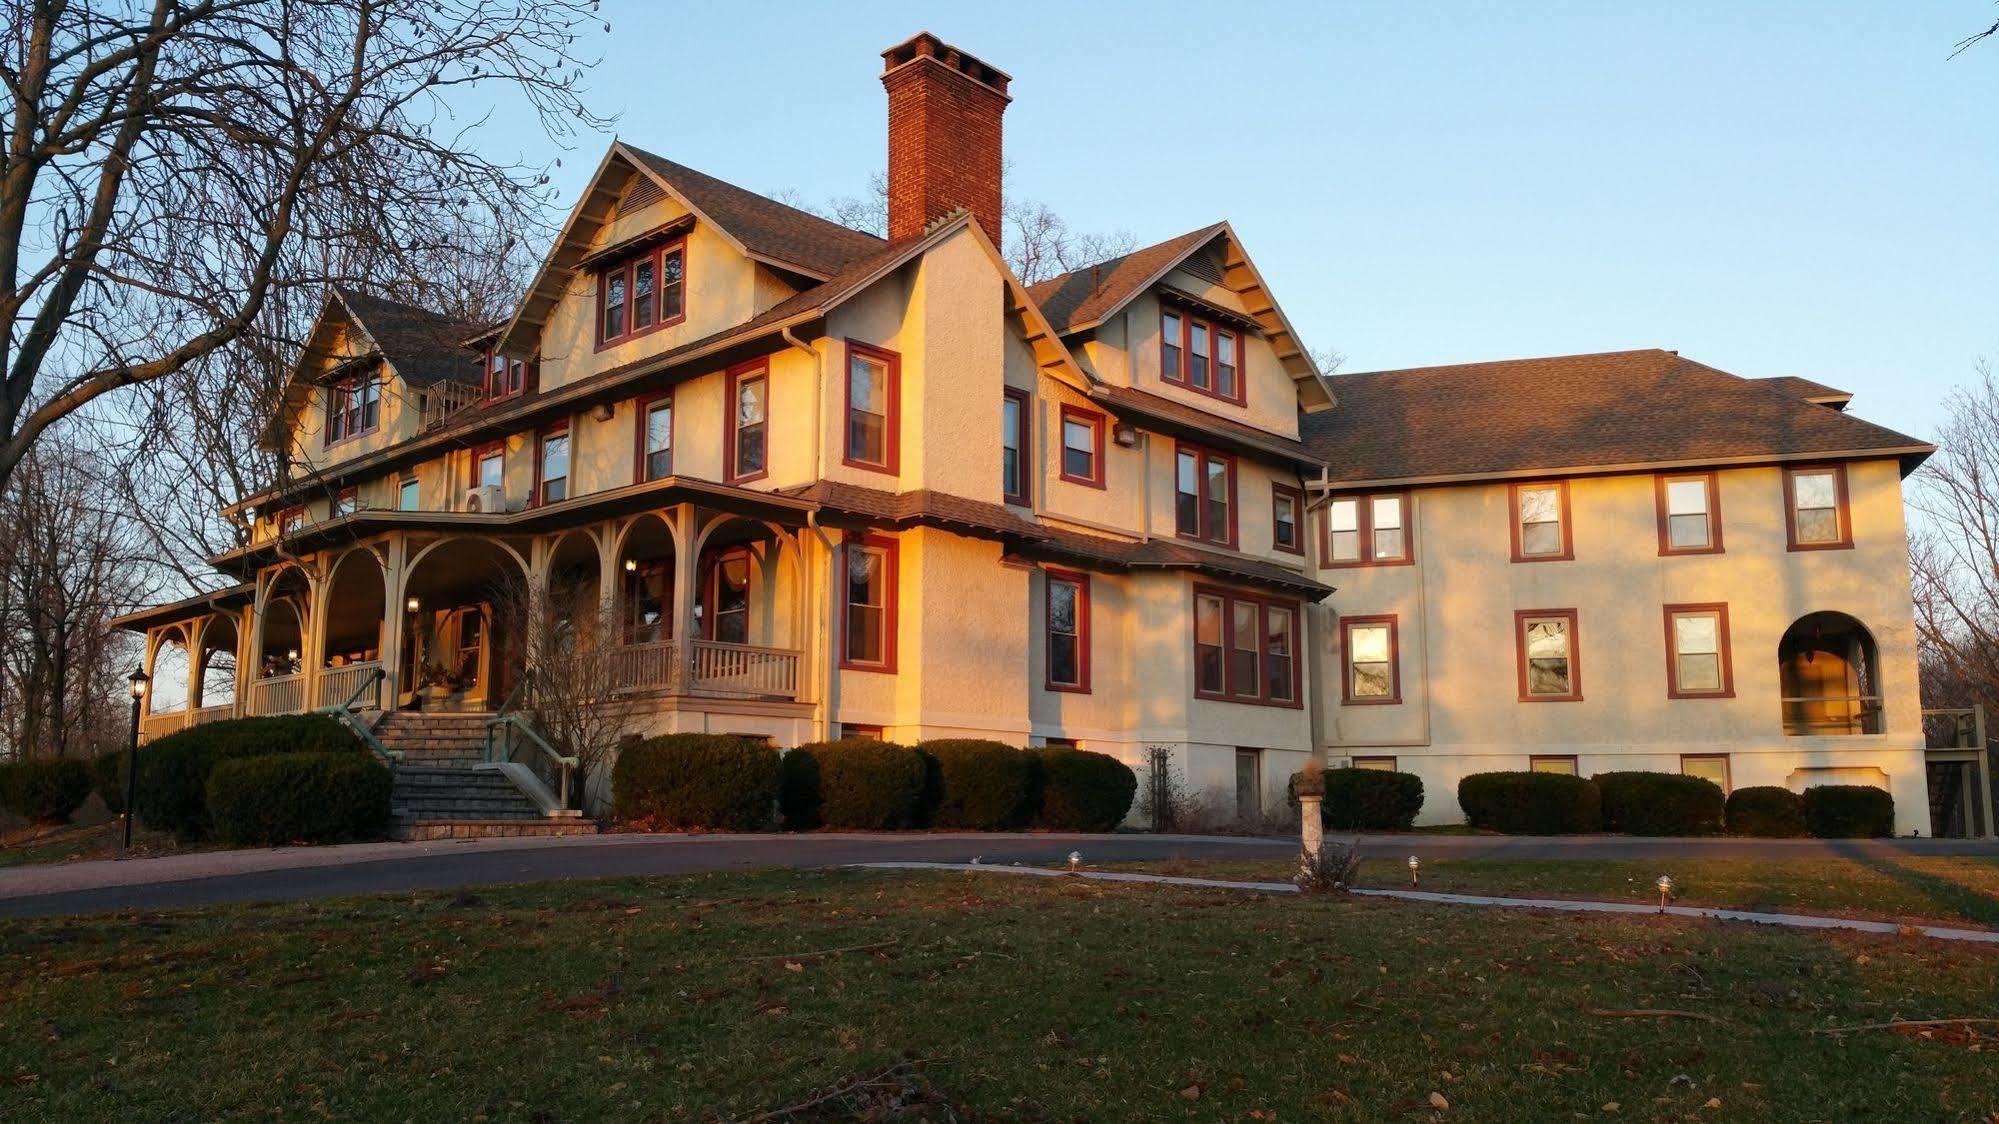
point(393, 616)
point(246, 666)
point(686, 573)
point(151, 660)
point(312, 646)
point(196, 634)
point(610, 579)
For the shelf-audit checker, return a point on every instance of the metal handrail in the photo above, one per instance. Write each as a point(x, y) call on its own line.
point(344, 714)
point(511, 719)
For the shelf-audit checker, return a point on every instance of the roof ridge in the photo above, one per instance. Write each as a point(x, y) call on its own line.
point(798, 211)
point(1524, 359)
point(1056, 280)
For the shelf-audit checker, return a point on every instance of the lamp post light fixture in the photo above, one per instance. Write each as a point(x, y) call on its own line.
point(631, 565)
point(137, 683)
point(412, 604)
point(1415, 864)
point(1665, 885)
point(1075, 861)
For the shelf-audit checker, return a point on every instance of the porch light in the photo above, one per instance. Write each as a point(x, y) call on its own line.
point(631, 565)
point(291, 654)
point(1415, 865)
point(137, 682)
point(412, 604)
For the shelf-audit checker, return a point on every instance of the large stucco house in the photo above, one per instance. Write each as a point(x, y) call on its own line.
point(821, 482)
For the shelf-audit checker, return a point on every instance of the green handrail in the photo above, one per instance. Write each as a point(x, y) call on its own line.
point(343, 712)
point(511, 719)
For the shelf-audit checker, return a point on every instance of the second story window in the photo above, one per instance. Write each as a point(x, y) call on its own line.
point(749, 411)
point(642, 293)
point(1013, 446)
point(289, 520)
point(1287, 512)
point(1541, 522)
point(506, 377)
point(1082, 447)
point(407, 497)
point(1366, 530)
point(1689, 514)
point(872, 393)
point(489, 466)
point(1204, 496)
point(656, 438)
point(346, 502)
point(353, 407)
point(552, 460)
point(1817, 517)
point(1201, 356)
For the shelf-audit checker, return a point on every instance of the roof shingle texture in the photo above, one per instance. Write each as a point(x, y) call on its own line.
point(424, 346)
point(1569, 412)
point(766, 226)
point(1084, 296)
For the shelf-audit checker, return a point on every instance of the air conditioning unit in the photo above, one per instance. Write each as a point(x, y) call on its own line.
point(488, 498)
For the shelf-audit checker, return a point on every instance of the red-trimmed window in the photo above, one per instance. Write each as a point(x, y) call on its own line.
point(1545, 644)
point(655, 437)
point(1373, 658)
point(1201, 356)
point(506, 377)
point(353, 407)
point(1245, 647)
point(551, 464)
point(1689, 513)
point(728, 598)
point(289, 520)
point(347, 501)
point(1697, 652)
point(868, 581)
point(874, 401)
point(1014, 455)
point(1816, 509)
point(489, 465)
point(642, 293)
point(1068, 629)
point(1204, 495)
point(748, 422)
point(1366, 531)
point(1541, 530)
point(408, 496)
point(1287, 516)
point(1082, 446)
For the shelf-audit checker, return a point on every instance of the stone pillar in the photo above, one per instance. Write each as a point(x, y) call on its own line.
point(1312, 828)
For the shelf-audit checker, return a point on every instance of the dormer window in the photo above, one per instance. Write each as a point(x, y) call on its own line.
point(506, 377)
point(642, 293)
point(353, 407)
point(1201, 356)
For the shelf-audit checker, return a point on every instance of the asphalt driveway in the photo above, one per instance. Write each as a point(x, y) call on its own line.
point(290, 873)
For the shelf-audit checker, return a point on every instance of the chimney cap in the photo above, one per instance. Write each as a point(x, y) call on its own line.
point(923, 46)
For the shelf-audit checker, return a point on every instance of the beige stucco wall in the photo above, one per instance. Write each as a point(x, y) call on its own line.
point(1460, 713)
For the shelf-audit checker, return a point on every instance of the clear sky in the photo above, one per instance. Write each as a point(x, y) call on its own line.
point(1793, 188)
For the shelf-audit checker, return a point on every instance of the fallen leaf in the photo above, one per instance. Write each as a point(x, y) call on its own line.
point(1191, 1092)
point(1437, 1101)
point(1712, 1102)
point(1611, 1106)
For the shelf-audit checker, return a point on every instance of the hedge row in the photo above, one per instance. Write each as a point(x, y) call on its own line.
point(1640, 803)
point(299, 798)
point(174, 770)
point(731, 784)
point(44, 791)
point(1367, 799)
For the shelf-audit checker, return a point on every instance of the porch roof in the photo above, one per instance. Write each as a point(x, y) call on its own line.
point(231, 597)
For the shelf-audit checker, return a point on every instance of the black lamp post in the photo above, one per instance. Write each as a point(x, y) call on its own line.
point(138, 680)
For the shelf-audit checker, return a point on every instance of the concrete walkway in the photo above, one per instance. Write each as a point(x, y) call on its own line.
point(1569, 905)
point(290, 873)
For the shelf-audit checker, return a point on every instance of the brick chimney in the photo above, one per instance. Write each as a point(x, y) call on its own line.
point(944, 111)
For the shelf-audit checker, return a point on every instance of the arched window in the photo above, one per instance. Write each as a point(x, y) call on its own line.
point(1830, 677)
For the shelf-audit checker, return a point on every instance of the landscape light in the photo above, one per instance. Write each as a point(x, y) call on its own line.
point(1665, 884)
point(1075, 860)
point(1414, 865)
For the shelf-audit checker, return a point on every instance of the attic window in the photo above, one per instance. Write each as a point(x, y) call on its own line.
point(1201, 355)
point(505, 377)
point(642, 293)
point(353, 407)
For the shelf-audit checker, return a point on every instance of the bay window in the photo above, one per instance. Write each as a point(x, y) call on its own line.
point(1067, 626)
point(868, 581)
point(642, 293)
point(1204, 495)
point(1246, 647)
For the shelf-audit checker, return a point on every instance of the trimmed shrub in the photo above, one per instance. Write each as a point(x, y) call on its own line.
point(974, 784)
point(1531, 803)
point(857, 783)
point(1766, 810)
point(1641, 803)
point(107, 777)
point(44, 791)
point(716, 781)
point(299, 798)
point(1849, 811)
point(1078, 790)
point(172, 793)
point(1369, 799)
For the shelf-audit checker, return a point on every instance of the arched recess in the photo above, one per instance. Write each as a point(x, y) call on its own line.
point(464, 644)
point(168, 693)
point(646, 549)
point(220, 641)
point(282, 619)
point(748, 574)
point(356, 596)
point(1829, 670)
point(571, 604)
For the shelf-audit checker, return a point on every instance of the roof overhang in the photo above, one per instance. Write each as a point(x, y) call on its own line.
point(187, 608)
point(1910, 457)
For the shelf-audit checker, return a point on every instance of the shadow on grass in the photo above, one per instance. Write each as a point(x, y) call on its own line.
point(1956, 898)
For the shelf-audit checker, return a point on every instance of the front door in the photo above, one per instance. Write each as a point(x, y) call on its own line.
point(1248, 784)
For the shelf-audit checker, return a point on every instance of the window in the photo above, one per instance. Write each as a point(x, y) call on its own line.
point(1245, 647)
point(1082, 447)
point(728, 616)
point(1366, 531)
point(1546, 639)
point(869, 579)
point(1689, 514)
point(873, 398)
point(655, 438)
point(1816, 499)
point(489, 466)
point(1014, 457)
point(749, 410)
point(552, 465)
point(1697, 660)
point(1287, 511)
point(1552, 763)
point(1201, 356)
point(1204, 495)
point(642, 293)
point(1541, 522)
point(505, 377)
point(1707, 766)
point(1379, 764)
point(1068, 626)
point(353, 407)
point(345, 502)
point(861, 730)
point(1372, 655)
point(289, 520)
point(407, 497)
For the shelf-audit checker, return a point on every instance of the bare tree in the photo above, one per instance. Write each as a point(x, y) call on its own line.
point(169, 168)
point(1954, 552)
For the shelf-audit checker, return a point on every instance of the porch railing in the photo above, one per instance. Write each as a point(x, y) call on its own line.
point(739, 669)
point(1834, 715)
point(637, 667)
point(214, 713)
point(337, 683)
point(160, 725)
point(278, 694)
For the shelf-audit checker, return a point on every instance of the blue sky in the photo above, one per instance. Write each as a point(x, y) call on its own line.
point(1772, 189)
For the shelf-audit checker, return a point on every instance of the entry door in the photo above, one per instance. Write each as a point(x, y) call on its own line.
point(1248, 784)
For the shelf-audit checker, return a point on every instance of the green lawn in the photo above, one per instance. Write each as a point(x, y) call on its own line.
point(1947, 889)
point(716, 997)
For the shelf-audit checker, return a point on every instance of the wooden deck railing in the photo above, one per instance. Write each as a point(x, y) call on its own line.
point(278, 694)
point(338, 684)
point(1832, 715)
point(160, 725)
point(719, 670)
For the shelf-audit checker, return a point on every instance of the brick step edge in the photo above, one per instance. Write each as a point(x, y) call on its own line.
point(492, 829)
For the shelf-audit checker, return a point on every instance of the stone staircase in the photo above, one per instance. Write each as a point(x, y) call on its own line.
point(441, 793)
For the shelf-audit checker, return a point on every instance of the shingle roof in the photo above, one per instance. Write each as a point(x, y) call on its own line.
point(424, 346)
point(1181, 420)
point(765, 226)
point(1815, 392)
point(1571, 412)
point(1082, 297)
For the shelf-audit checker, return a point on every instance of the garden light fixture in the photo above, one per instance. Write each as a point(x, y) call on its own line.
point(1075, 861)
point(1665, 884)
point(1415, 865)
